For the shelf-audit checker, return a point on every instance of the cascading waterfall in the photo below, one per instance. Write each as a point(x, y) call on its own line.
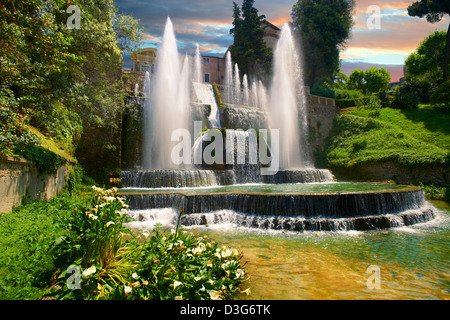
point(168, 178)
point(169, 104)
point(205, 95)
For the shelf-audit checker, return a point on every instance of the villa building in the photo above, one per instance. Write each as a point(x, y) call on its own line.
point(144, 60)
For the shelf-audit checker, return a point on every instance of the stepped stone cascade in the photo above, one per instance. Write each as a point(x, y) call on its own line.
point(331, 211)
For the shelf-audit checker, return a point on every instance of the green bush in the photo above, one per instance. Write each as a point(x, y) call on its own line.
point(349, 103)
point(442, 94)
point(405, 98)
point(348, 94)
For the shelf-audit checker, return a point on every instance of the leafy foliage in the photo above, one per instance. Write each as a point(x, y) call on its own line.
point(323, 28)
point(63, 80)
point(249, 49)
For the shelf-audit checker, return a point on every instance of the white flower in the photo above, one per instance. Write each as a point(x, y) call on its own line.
point(177, 284)
point(121, 212)
point(239, 273)
point(226, 253)
point(145, 233)
point(178, 298)
point(92, 216)
point(197, 278)
point(89, 271)
point(215, 295)
point(109, 199)
point(127, 289)
point(109, 223)
point(246, 291)
point(135, 276)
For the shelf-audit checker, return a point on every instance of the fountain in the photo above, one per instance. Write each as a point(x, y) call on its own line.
point(167, 108)
point(287, 109)
point(295, 197)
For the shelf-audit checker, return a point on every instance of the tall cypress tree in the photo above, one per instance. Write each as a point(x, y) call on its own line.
point(249, 49)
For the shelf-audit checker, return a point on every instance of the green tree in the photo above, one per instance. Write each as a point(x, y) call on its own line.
point(373, 80)
point(377, 80)
point(424, 66)
point(356, 80)
point(57, 78)
point(249, 49)
point(434, 10)
point(429, 55)
point(323, 26)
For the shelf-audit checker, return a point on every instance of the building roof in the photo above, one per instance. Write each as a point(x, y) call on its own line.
point(270, 25)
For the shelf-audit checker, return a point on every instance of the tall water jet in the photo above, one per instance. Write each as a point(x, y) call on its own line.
point(245, 90)
point(197, 65)
point(254, 95)
point(146, 92)
point(169, 104)
point(136, 89)
point(228, 77)
point(237, 85)
point(262, 97)
point(287, 112)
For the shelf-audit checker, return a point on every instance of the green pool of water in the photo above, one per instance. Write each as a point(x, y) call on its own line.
point(413, 262)
point(296, 188)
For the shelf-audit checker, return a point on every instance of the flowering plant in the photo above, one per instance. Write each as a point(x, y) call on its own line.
point(95, 243)
point(160, 264)
point(180, 265)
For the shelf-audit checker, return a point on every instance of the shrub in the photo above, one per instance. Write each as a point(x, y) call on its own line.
point(442, 94)
point(349, 103)
point(405, 98)
point(348, 94)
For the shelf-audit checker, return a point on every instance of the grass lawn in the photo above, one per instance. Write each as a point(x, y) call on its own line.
point(28, 233)
point(425, 124)
point(408, 137)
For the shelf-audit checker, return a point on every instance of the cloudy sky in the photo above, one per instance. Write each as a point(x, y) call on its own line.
point(208, 22)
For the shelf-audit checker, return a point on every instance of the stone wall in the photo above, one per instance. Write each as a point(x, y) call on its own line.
point(321, 113)
point(19, 178)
